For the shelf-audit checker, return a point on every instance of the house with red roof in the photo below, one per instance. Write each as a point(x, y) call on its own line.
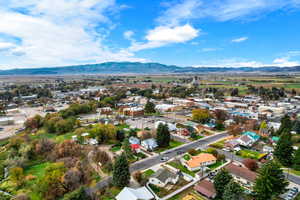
point(136, 148)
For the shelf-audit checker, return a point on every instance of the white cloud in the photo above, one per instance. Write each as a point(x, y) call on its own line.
point(240, 62)
point(164, 35)
point(209, 49)
point(59, 32)
point(184, 10)
point(128, 35)
point(238, 40)
point(6, 45)
point(285, 62)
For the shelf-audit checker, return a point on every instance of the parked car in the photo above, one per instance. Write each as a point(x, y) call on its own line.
point(164, 159)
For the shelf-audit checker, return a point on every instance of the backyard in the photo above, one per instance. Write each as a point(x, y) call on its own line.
point(245, 153)
point(172, 145)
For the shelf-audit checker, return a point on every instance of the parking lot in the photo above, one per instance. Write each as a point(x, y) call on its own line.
point(19, 119)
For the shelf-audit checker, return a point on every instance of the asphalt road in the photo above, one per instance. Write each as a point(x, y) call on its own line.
point(154, 160)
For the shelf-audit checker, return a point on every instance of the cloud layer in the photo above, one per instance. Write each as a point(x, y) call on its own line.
point(58, 32)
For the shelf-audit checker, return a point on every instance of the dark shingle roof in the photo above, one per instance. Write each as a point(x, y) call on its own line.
point(163, 174)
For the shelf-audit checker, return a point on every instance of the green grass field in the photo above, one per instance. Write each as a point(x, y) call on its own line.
point(172, 145)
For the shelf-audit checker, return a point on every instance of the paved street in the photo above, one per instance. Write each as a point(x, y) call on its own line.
point(154, 160)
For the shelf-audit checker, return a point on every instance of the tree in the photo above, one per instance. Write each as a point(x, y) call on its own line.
point(16, 175)
point(121, 175)
point(270, 181)
point(72, 179)
point(120, 135)
point(296, 127)
point(68, 148)
point(21, 196)
point(78, 194)
point(284, 149)
point(221, 115)
point(285, 126)
point(100, 157)
point(251, 164)
point(233, 191)
point(127, 148)
point(234, 92)
point(201, 115)
point(296, 162)
point(51, 185)
point(263, 125)
point(43, 146)
point(163, 135)
point(149, 107)
point(235, 130)
point(34, 122)
point(220, 181)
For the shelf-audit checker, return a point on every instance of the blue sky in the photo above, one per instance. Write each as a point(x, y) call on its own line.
point(224, 33)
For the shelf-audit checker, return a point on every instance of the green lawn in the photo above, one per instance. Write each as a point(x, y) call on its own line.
point(219, 144)
point(216, 165)
point(64, 137)
point(37, 170)
point(172, 145)
point(122, 126)
point(115, 148)
point(292, 171)
point(147, 173)
point(197, 137)
point(245, 153)
point(178, 165)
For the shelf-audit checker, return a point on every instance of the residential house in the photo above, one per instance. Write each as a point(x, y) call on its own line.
point(105, 110)
point(206, 188)
point(242, 175)
point(136, 148)
point(134, 140)
point(149, 144)
point(248, 138)
point(163, 177)
point(133, 111)
point(135, 194)
point(233, 145)
point(245, 141)
point(253, 135)
point(199, 161)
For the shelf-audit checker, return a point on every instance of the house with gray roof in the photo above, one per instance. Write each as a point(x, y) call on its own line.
point(163, 177)
point(135, 194)
point(149, 144)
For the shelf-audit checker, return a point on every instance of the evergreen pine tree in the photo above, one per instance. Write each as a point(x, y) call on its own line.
point(296, 162)
point(163, 135)
point(220, 182)
point(149, 107)
point(284, 150)
point(121, 175)
point(270, 182)
point(233, 191)
point(127, 148)
point(286, 125)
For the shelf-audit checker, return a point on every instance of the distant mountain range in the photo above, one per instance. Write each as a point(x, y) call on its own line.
point(140, 68)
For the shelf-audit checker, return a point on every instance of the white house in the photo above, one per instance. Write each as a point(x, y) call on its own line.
point(135, 194)
point(149, 144)
point(163, 177)
point(245, 141)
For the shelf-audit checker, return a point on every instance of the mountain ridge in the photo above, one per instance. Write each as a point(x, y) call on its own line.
point(139, 68)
